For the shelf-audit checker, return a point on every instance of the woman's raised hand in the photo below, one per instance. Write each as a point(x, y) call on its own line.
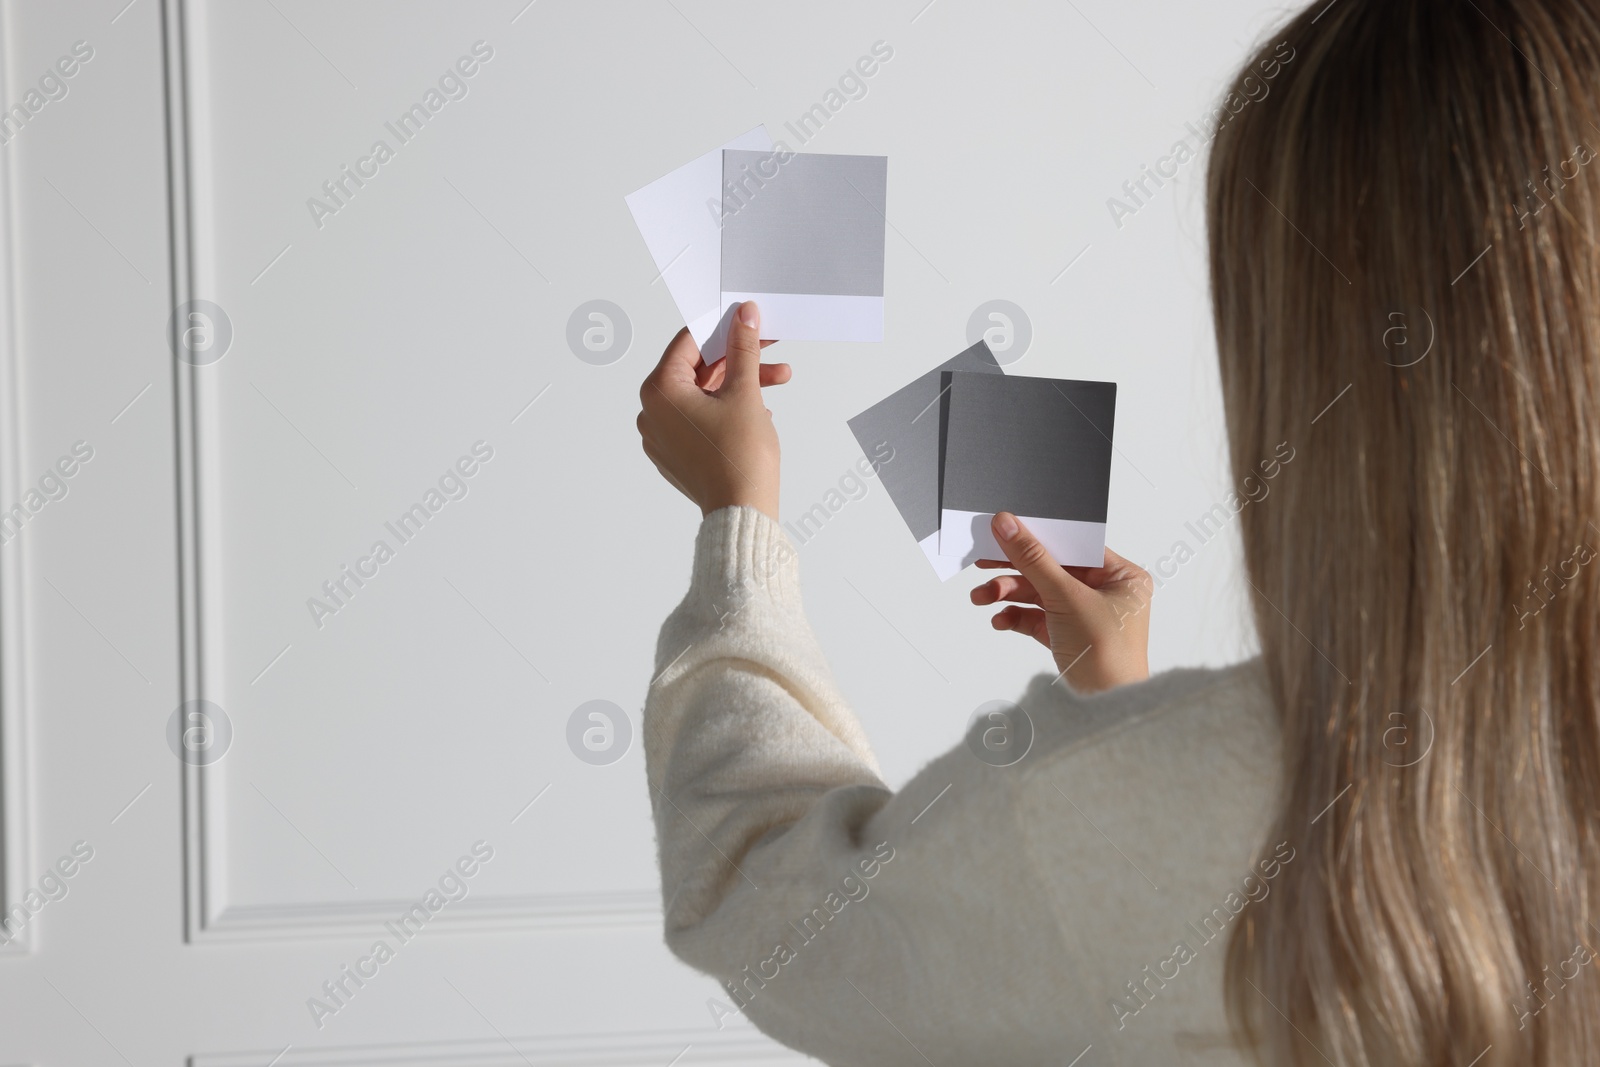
point(706, 428)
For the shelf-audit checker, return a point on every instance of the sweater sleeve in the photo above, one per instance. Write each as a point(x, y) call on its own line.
point(744, 729)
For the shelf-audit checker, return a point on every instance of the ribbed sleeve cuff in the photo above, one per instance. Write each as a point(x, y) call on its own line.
point(741, 551)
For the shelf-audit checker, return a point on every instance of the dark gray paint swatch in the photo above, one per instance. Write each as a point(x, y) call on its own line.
point(1033, 446)
point(911, 421)
point(815, 226)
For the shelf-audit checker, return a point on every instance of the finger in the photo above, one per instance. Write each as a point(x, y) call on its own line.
point(1121, 568)
point(995, 565)
point(676, 370)
point(1058, 591)
point(1007, 587)
point(681, 357)
point(1030, 622)
point(744, 349)
point(711, 378)
point(1113, 560)
point(1115, 569)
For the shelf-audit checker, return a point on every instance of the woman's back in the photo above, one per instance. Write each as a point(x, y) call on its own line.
point(1066, 877)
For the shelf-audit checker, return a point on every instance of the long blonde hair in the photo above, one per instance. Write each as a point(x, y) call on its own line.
point(1405, 258)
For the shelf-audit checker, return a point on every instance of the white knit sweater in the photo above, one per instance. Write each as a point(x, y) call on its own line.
point(1080, 897)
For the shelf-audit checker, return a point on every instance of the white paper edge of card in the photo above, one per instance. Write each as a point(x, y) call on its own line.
point(711, 333)
point(1073, 543)
point(945, 567)
point(814, 316)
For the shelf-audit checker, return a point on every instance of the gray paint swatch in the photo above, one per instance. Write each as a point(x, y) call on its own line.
point(1031, 446)
point(910, 420)
point(814, 226)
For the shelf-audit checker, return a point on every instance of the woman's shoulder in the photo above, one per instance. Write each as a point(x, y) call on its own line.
point(1182, 706)
point(1110, 822)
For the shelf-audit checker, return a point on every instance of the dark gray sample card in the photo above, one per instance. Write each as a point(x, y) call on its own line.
point(1037, 447)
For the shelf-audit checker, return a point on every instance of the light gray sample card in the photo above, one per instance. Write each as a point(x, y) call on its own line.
point(803, 236)
point(1039, 448)
point(911, 422)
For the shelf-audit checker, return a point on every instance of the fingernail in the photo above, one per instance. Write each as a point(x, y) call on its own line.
point(1005, 527)
point(749, 314)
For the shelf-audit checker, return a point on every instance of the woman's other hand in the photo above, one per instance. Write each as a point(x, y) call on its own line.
point(706, 428)
point(1094, 620)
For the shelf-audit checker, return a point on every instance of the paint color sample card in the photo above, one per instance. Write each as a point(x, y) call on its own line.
point(1037, 447)
point(911, 422)
point(680, 218)
point(803, 236)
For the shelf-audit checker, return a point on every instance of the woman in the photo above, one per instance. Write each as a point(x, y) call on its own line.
point(1377, 843)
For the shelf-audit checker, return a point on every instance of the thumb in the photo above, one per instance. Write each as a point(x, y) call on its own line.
point(744, 349)
point(1056, 588)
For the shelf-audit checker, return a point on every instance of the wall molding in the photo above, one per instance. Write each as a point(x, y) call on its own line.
point(15, 854)
point(504, 914)
point(207, 913)
point(741, 1045)
point(185, 381)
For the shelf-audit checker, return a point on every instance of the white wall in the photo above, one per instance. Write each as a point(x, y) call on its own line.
point(373, 350)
